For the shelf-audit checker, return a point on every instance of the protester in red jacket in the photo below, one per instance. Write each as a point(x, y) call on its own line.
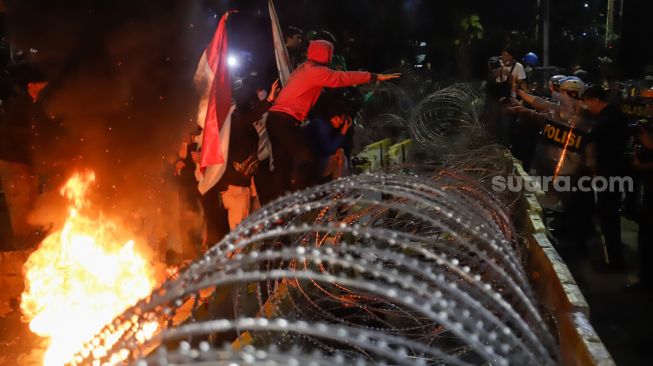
point(291, 108)
point(306, 83)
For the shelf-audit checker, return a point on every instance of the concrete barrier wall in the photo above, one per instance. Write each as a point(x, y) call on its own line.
point(557, 290)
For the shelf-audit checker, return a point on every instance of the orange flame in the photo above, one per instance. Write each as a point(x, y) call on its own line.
point(81, 277)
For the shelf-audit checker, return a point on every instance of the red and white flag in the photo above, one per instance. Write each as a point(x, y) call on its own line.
point(280, 51)
point(215, 108)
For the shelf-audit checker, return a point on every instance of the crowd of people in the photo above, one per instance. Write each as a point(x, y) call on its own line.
point(576, 130)
point(283, 140)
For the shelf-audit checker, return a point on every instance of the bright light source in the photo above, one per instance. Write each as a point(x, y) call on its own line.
point(586, 5)
point(422, 44)
point(232, 61)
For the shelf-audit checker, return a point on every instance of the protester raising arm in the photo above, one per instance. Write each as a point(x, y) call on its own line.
point(326, 77)
point(289, 142)
point(306, 83)
point(539, 104)
point(263, 106)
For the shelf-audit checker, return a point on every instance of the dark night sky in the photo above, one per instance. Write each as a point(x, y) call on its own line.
point(382, 28)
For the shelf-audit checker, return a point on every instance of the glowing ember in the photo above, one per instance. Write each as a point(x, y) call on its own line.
point(81, 277)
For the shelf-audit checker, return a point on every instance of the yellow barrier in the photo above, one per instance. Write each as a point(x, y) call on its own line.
point(382, 154)
point(400, 153)
point(376, 154)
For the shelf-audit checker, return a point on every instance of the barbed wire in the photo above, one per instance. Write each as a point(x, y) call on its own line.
point(447, 122)
point(370, 269)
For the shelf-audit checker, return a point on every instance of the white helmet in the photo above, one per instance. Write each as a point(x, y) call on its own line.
point(557, 79)
point(573, 84)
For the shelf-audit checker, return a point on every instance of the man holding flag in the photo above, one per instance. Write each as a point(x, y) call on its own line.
point(213, 83)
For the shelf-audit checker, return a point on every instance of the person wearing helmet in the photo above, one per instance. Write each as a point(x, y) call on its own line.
point(566, 115)
point(571, 91)
point(610, 137)
point(531, 60)
point(573, 86)
point(554, 85)
point(564, 101)
point(539, 104)
point(563, 150)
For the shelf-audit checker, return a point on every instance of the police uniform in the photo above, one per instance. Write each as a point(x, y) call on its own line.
point(561, 151)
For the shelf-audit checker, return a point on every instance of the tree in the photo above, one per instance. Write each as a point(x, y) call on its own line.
point(470, 30)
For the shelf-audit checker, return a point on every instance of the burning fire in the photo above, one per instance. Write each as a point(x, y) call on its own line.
point(81, 277)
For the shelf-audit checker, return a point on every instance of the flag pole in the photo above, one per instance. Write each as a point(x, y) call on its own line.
point(284, 66)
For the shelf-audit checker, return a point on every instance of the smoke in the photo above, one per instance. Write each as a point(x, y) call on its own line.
point(120, 96)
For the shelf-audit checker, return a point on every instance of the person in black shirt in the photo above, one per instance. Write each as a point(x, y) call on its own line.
point(242, 160)
point(610, 137)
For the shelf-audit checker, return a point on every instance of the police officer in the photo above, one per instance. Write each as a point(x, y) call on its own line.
point(561, 152)
point(610, 136)
point(643, 163)
point(531, 60)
